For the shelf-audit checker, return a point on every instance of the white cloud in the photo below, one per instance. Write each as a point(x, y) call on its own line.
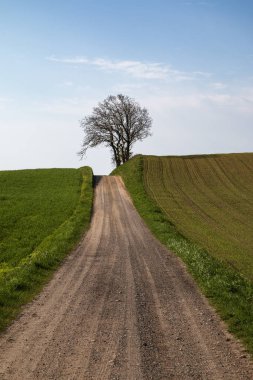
point(76, 60)
point(68, 83)
point(4, 99)
point(128, 87)
point(136, 69)
point(218, 85)
point(4, 102)
point(75, 106)
point(241, 102)
point(201, 74)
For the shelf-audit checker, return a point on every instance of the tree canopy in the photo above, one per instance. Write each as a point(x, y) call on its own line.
point(117, 122)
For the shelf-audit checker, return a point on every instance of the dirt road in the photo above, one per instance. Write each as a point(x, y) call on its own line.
point(120, 307)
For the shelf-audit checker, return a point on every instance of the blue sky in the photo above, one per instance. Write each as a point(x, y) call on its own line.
point(190, 62)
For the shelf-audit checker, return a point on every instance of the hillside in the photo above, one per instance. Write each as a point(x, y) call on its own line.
point(42, 215)
point(210, 201)
point(120, 307)
point(201, 208)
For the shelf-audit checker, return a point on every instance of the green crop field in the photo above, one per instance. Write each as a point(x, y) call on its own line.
point(210, 200)
point(42, 215)
point(201, 207)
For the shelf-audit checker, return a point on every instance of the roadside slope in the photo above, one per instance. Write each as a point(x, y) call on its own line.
point(120, 307)
point(43, 214)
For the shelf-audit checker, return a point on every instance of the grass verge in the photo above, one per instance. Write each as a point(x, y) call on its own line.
point(228, 291)
point(24, 277)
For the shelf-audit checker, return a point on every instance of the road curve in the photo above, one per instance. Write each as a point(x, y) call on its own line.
point(120, 307)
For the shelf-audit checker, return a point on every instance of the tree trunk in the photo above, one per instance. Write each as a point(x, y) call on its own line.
point(116, 155)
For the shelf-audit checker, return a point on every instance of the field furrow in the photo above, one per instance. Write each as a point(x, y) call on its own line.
point(210, 200)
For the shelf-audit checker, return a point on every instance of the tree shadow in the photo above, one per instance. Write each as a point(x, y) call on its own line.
point(96, 180)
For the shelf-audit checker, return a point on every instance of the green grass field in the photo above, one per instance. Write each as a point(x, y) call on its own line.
point(210, 201)
point(201, 208)
point(42, 216)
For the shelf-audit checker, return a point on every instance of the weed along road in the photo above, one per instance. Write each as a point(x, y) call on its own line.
point(120, 307)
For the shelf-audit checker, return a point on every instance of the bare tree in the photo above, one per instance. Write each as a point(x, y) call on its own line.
point(118, 122)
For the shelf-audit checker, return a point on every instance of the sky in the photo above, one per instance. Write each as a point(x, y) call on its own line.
point(189, 62)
